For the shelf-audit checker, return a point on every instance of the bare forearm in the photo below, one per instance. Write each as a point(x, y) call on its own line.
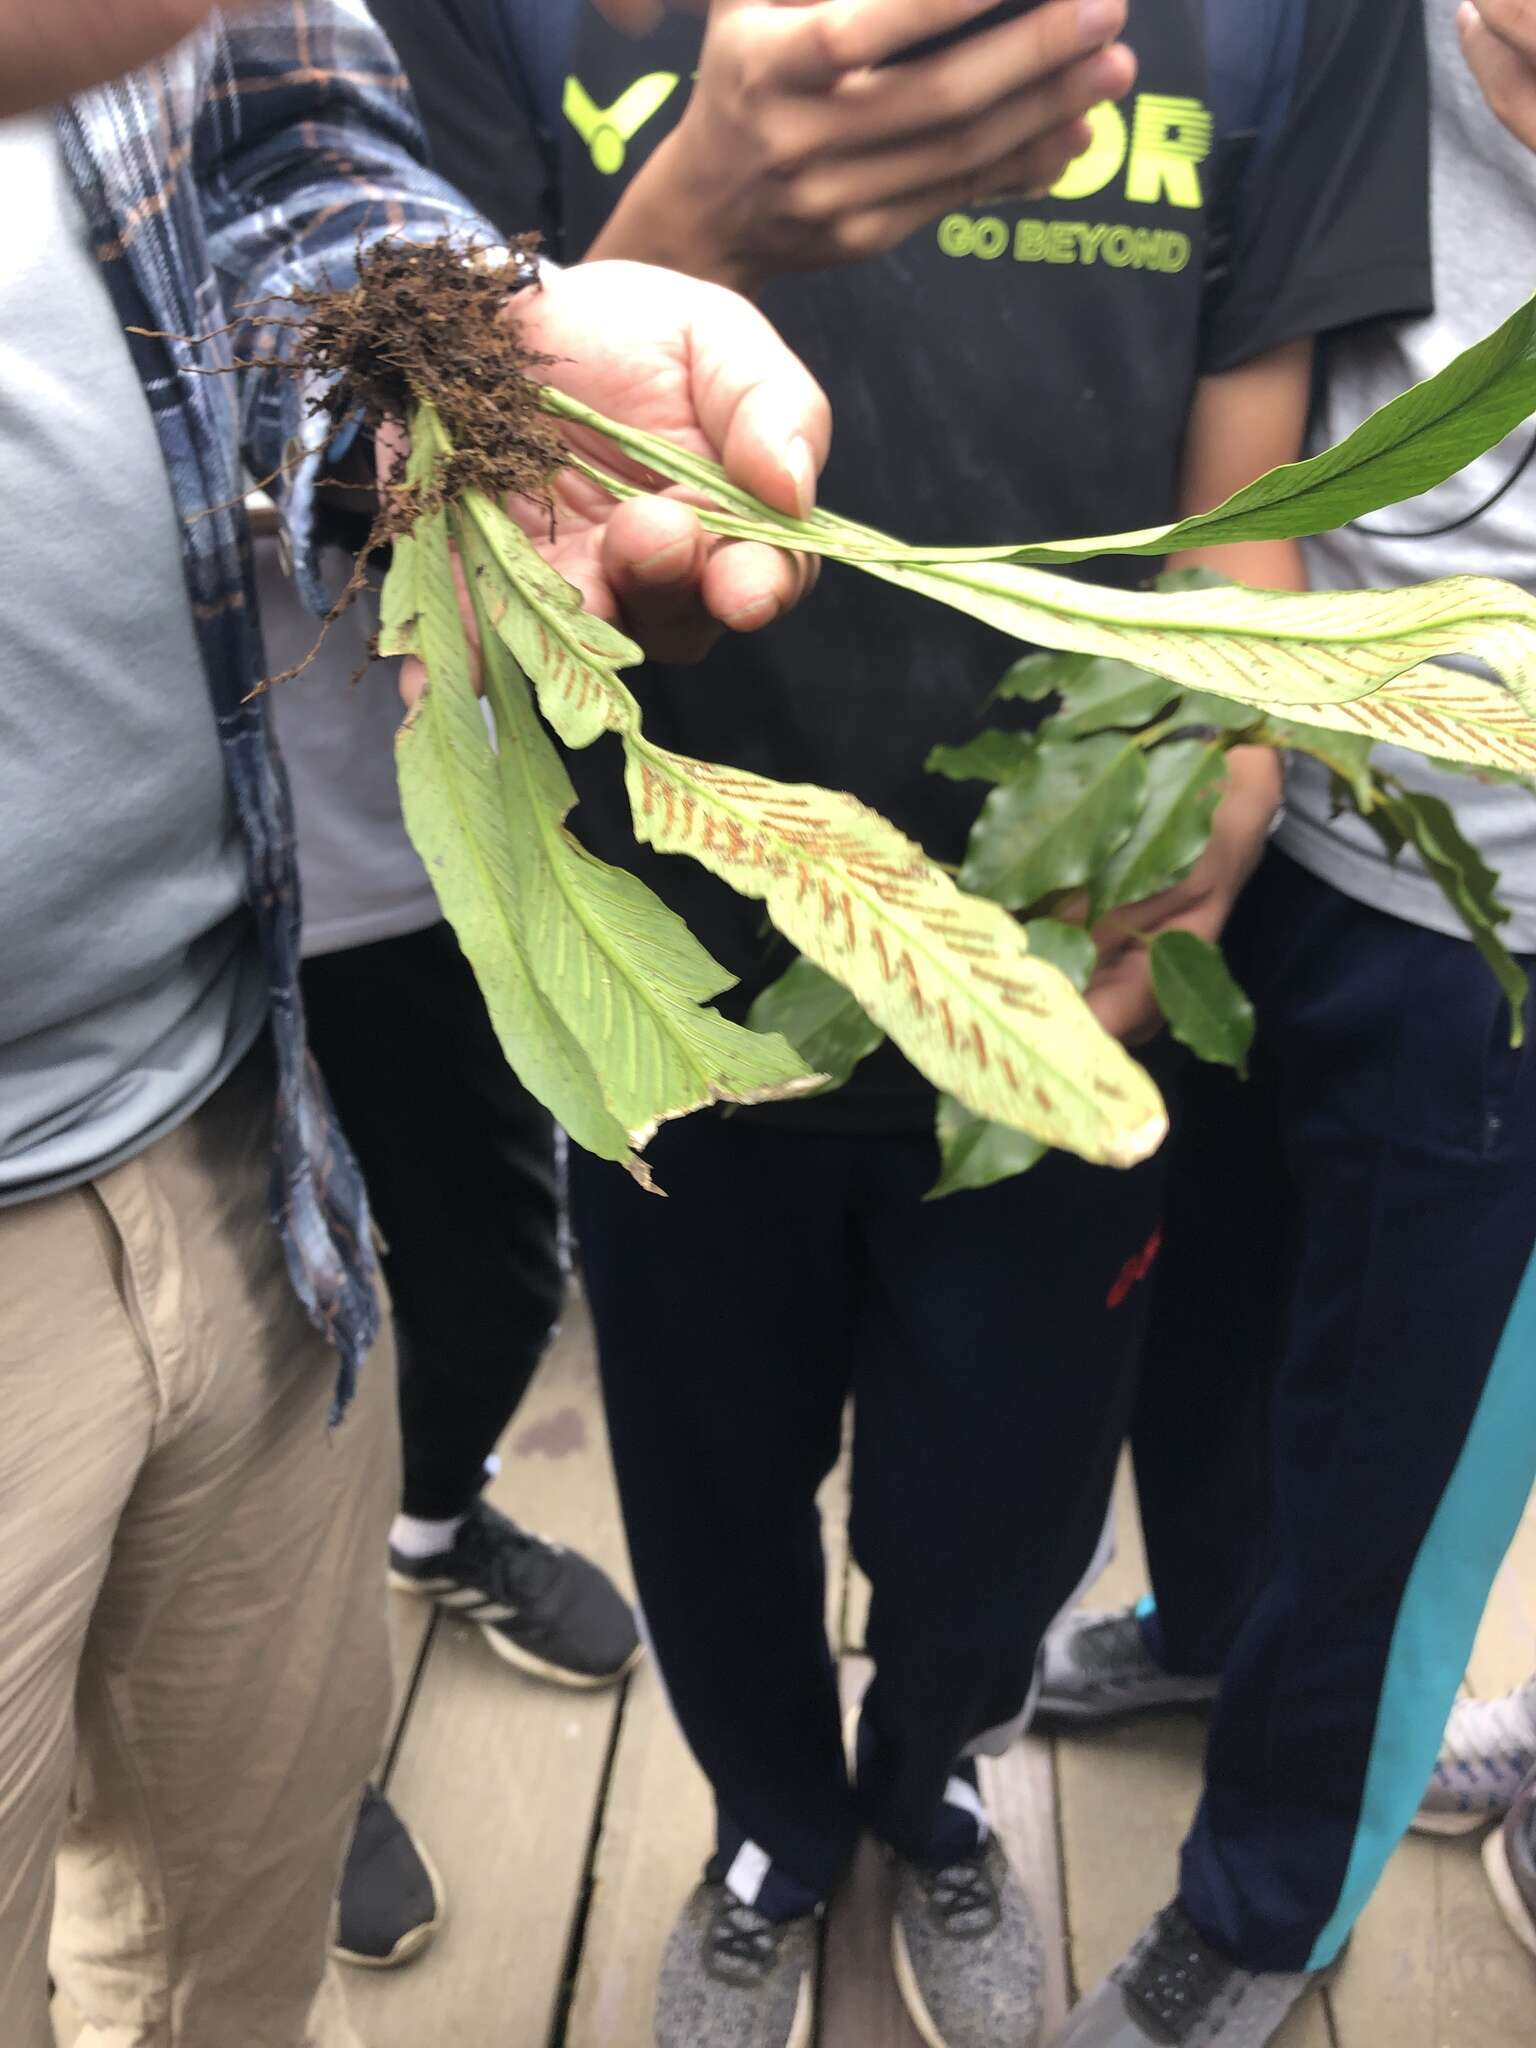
point(50, 49)
point(666, 219)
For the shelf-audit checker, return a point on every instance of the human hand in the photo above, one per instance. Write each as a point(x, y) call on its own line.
point(688, 360)
point(50, 49)
point(803, 147)
point(1499, 40)
point(1121, 993)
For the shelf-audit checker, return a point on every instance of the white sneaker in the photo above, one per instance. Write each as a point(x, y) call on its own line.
point(1488, 1747)
point(1095, 1666)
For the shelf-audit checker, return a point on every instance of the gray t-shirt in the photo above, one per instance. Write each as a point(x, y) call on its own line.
point(336, 724)
point(130, 983)
point(1483, 188)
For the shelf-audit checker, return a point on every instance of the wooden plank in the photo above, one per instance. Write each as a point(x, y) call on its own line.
point(1505, 1652)
point(500, 1774)
point(861, 2006)
point(657, 1831)
point(1019, 1790)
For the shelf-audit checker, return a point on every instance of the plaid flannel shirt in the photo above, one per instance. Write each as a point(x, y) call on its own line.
point(251, 162)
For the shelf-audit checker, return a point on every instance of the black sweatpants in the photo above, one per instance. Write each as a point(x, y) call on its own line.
point(989, 1342)
point(459, 1161)
point(1336, 1432)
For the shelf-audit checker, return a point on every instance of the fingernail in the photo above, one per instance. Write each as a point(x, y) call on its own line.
point(1098, 20)
point(801, 464)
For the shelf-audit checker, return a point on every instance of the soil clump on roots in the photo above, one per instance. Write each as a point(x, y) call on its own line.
point(427, 324)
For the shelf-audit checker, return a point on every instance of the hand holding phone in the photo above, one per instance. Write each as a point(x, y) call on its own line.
point(827, 131)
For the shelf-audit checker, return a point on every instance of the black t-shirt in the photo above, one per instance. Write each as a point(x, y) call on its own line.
point(1012, 373)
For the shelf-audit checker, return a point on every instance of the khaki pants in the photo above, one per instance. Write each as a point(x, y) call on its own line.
point(193, 1658)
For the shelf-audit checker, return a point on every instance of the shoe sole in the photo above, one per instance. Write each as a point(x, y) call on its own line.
point(911, 1997)
point(1052, 1716)
point(521, 1659)
point(1511, 1902)
point(803, 2025)
point(1450, 1824)
point(410, 1945)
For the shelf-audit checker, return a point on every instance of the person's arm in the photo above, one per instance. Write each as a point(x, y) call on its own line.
point(51, 49)
point(1244, 422)
point(803, 147)
point(1499, 38)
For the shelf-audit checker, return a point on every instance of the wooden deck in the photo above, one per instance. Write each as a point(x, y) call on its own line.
point(567, 1827)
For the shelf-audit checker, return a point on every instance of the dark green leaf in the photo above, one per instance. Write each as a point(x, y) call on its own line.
point(1097, 695)
point(978, 1154)
point(1038, 676)
point(1417, 441)
point(1468, 884)
point(1196, 708)
point(990, 757)
point(1185, 780)
point(1205, 1008)
point(1347, 754)
point(821, 1020)
point(1056, 824)
point(1066, 946)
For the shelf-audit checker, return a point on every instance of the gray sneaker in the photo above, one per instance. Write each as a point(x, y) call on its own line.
point(1174, 1991)
point(1488, 1748)
point(1095, 1666)
point(732, 1979)
point(967, 1954)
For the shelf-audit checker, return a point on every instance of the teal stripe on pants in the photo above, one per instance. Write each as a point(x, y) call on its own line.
point(1442, 1608)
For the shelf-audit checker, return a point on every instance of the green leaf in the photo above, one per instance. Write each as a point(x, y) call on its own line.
point(1067, 946)
point(625, 974)
point(1112, 695)
point(949, 976)
point(1205, 1008)
point(1054, 826)
point(474, 851)
point(1196, 710)
point(1272, 649)
point(819, 1018)
point(1346, 755)
point(1469, 885)
point(1034, 677)
point(992, 756)
point(977, 1154)
point(1185, 781)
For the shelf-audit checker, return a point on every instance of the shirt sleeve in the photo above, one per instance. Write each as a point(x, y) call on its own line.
point(306, 150)
point(1332, 226)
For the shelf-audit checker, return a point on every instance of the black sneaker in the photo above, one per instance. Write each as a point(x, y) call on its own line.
point(542, 1608)
point(390, 1903)
point(1175, 1991)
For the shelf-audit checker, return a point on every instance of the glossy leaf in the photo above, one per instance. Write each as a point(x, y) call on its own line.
point(820, 1019)
point(1056, 824)
point(992, 756)
point(1469, 885)
point(1185, 781)
point(1347, 755)
point(1067, 946)
point(976, 1154)
point(1205, 1008)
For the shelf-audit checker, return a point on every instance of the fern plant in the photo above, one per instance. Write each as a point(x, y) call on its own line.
point(600, 995)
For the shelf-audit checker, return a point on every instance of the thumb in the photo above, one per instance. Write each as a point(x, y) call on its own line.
point(758, 405)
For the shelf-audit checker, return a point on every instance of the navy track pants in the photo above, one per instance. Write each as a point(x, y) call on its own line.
point(1336, 1428)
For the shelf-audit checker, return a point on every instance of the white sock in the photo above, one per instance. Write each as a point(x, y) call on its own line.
point(413, 1537)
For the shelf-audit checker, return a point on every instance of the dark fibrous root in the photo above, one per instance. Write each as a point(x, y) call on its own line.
point(423, 325)
point(428, 323)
